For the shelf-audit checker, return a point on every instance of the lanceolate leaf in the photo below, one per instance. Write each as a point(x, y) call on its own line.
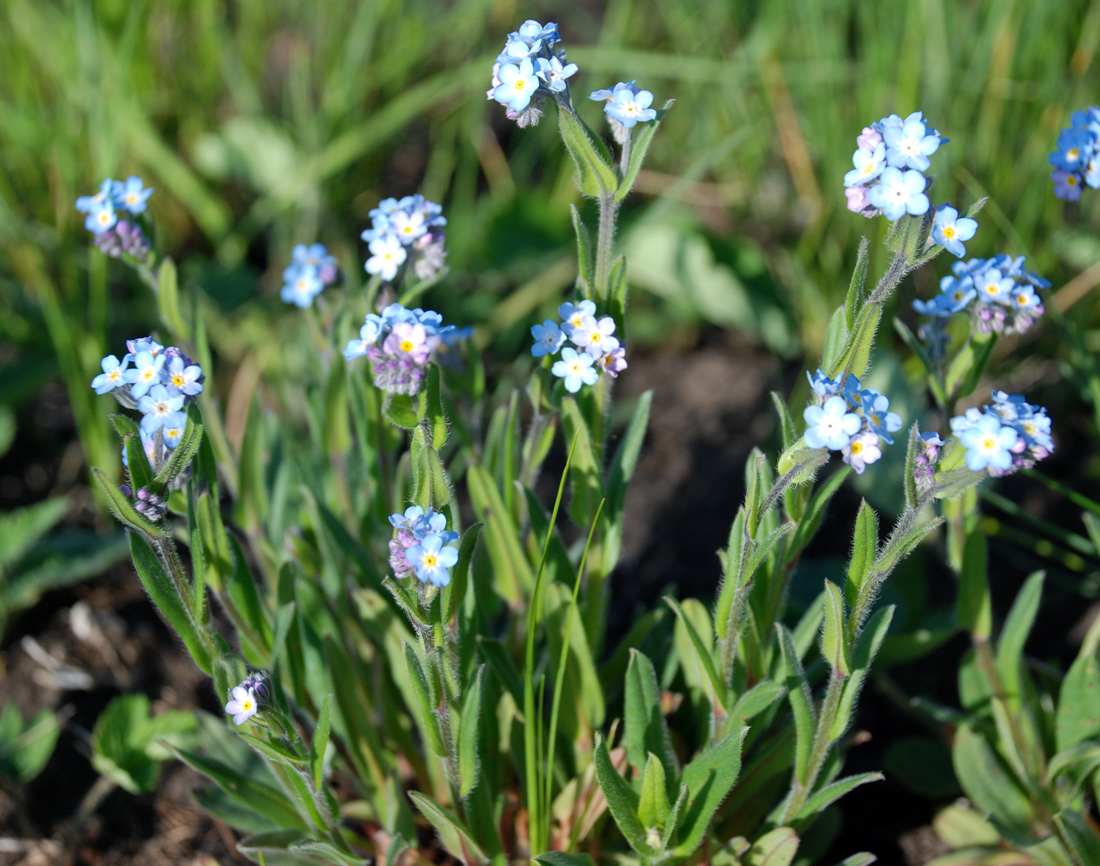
point(644, 730)
point(709, 779)
point(622, 800)
point(594, 176)
point(453, 833)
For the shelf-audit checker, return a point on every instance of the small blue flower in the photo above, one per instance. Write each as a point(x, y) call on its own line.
point(991, 286)
point(408, 520)
point(145, 374)
point(184, 377)
point(876, 409)
point(303, 284)
point(1074, 148)
point(101, 217)
point(553, 73)
point(314, 256)
point(988, 444)
point(1067, 184)
point(432, 560)
point(910, 145)
point(161, 409)
point(368, 336)
point(576, 369)
point(518, 84)
point(89, 203)
point(113, 375)
point(572, 316)
point(629, 105)
point(868, 165)
point(548, 338)
point(949, 231)
point(898, 193)
point(130, 194)
point(831, 426)
point(387, 255)
point(822, 384)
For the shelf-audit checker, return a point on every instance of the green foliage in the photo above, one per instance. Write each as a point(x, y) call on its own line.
point(129, 744)
point(25, 747)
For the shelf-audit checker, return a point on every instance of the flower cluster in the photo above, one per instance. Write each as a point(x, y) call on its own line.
point(247, 699)
point(115, 236)
point(999, 293)
point(399, 344)
point(849, 419)
point(409, 229)
point(422, 544)
point(924, 469)
point(1077, 159)
point(157, 381)
point(1011, 434)
point(597, 349)
point(529, 69)
point(626, 105)
point(887, 177)
point(311, 270)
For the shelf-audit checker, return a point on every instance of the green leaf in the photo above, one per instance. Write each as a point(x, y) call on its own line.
point(122, 738)
point(786, 422)
point(968, 366)
point(622, 801)
point(802, 463)
point(1079, 836)
point(560, 858)
point(856, 354)
point(756, 700)
point(853, 302)
point(775, 848)
point(987, 784)
point(168, 299)
point(320, 742)
point(274, 751)
point(468, 734)
point(864, 551)
point(640, 139)
point(21, 528)
point(169, 600)
point(595, 176)
point(653, 808)
point(834, 640)
point(644, 729)
point(455, 592)
point(953, 483)
point(863, 654)
point(809, 522)
point(798, 693)
point(836, 336)
point(700, 653)
point(586, 264)
point(974, 608)
point(1010, 646)
point(137, 463)
point(26, 749)
point(429, 720)
point(829, 794)
point(959, 826)
point(585, 475)
point(1079, 702)
point(437, 418)
point(401, 411)
point(709, 779)
point(121, 507)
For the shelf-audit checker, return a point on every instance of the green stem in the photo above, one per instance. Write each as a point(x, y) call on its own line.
point(605, 239)
point(819, 751)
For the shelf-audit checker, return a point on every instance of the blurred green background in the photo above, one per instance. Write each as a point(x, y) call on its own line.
point(266, 124)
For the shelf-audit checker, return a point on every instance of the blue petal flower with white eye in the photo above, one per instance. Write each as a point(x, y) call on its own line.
point(548, 338)
point(130, 194)
point(822, 384)
point(432, 560)
point(408, 520)
point(518, 84)
point(161, 409)
point(101, 217)
point(1075, 146)
point(572, 316)
point(303, 284)
point(387, 255)
point(313, 256)
point(368, 336)
point(1024, 298)
point(910, 145)
point(113, 375)
point(553, 73)
point(949, 230)
point(145, 374)
point(1067, 184)
point(831, 426)
point(185, 378)
point(992, 287)
point(629, 106)
point(576, 369)
point(868, 165)
point(89, 203)
point(988, 444)
point(898, 193)
point(876, 409)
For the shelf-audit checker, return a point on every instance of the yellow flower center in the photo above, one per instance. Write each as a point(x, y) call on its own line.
point(949, 232)
point(177, 380)
point(430, 560)
point(1029, 428)
point(596, 337)
point(148, 373)
point(857, 447)
point(113, 375)
point(131, 198)
point(1073, 153)
point(989, 443)
point(520, 84)
point(1021, 299)
point(246, 706)
point(1071, 180)
point(406, 346)
point(104, 217)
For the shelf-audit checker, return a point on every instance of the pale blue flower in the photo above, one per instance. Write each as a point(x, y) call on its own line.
point(89, 203)
point(868, 165)
point(243, 705)
point(910, 145)
point(368, 336)
point(861, 451)
point(387, 255)
point(822, 384)
point(303, 284)
point(130, 195)
point(988, 444)
point(145, 374)
point(184, 377)
point(432, 560)
point(548, 338)
point(949, 230)
point(518, 84)
point(629, 105)
point(991, 286)
point(830, 426)
point(553, 73)
point(161, 409)
point(594, 335)
point(113, 375)
point(101, 217)
point(408, 520)
point(572, 316)
point(576, 369)
point(876, 409)
point(898, 193)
